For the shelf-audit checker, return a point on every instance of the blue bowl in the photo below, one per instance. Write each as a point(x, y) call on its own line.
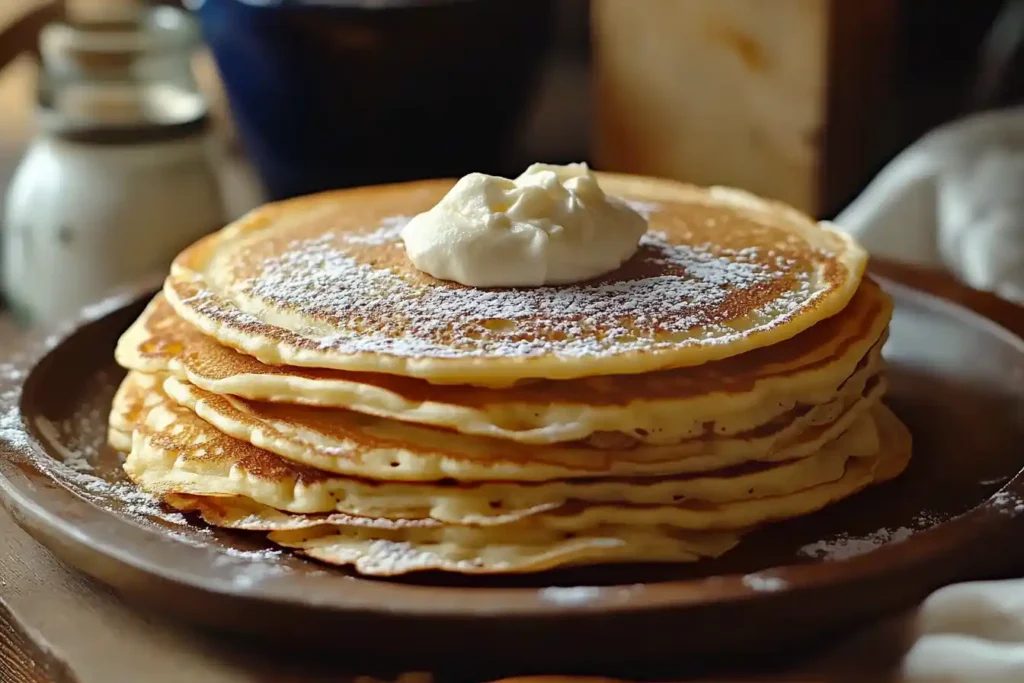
point(333, 94)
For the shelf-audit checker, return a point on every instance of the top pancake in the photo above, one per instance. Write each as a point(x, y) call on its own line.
point(323, 281)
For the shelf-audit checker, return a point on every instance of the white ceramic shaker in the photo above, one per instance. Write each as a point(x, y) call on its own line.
point(120, 177)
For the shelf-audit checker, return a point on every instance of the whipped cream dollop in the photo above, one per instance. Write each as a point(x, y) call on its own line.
point(551, 225)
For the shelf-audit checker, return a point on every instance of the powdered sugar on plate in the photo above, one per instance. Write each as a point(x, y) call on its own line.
point(576, 596)
point(763, 583)
point(1008, 503)
point(12, 373)
point(845, 546)
point(571, 595)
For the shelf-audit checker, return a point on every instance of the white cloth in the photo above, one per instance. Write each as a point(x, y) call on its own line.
point(953, 199)
point(965, 633)
point(971, 632)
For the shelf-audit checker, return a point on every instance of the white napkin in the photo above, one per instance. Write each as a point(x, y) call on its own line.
point(953, 199)
point(970, 633)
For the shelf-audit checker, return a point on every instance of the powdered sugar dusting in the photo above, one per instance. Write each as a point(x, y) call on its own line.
point(763, 583)
point(844, 547)
point(80, 435)
point(12, 373)
point(645, 209)
point(685, 299)
point(1008, 503)
point(137, 503)
point(11, 376)
point(98, 309)
point(251, 567)
point(571, 595)
point(389, 231)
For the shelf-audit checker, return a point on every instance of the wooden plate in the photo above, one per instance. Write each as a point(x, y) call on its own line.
point(957, 381)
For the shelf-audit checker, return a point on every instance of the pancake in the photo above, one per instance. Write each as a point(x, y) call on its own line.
point(356, 444)
point(466, 542)
point(392, 552)
point(297, 376)
point(245, 514)
point(383, 547)
point(118, 440)
point(452, 506)
point(470, 551)
point(287, 487)
point(175, 453)
point(379, 547)
point(659, 408)
point(323, 281)
point(195, 460)
point(132, 401)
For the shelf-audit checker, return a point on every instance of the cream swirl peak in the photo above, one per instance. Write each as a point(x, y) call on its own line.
point(551, 225)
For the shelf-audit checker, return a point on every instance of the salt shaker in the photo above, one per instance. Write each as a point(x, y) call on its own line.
point(120, 177)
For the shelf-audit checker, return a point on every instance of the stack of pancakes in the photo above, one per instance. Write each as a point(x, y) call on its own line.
point(298, 376)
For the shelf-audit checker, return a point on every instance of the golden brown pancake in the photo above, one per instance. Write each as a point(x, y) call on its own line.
point(323, 281)
point(354, 444)
point(400, 551)
point(298, 376)
point(173, 452)
point(726, 396)
point(384, 547)
point(227, 469)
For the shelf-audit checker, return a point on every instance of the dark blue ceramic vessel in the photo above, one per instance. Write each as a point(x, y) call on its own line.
point(332, 94)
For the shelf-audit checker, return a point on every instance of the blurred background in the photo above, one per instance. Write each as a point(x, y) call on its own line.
point(128, 129)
